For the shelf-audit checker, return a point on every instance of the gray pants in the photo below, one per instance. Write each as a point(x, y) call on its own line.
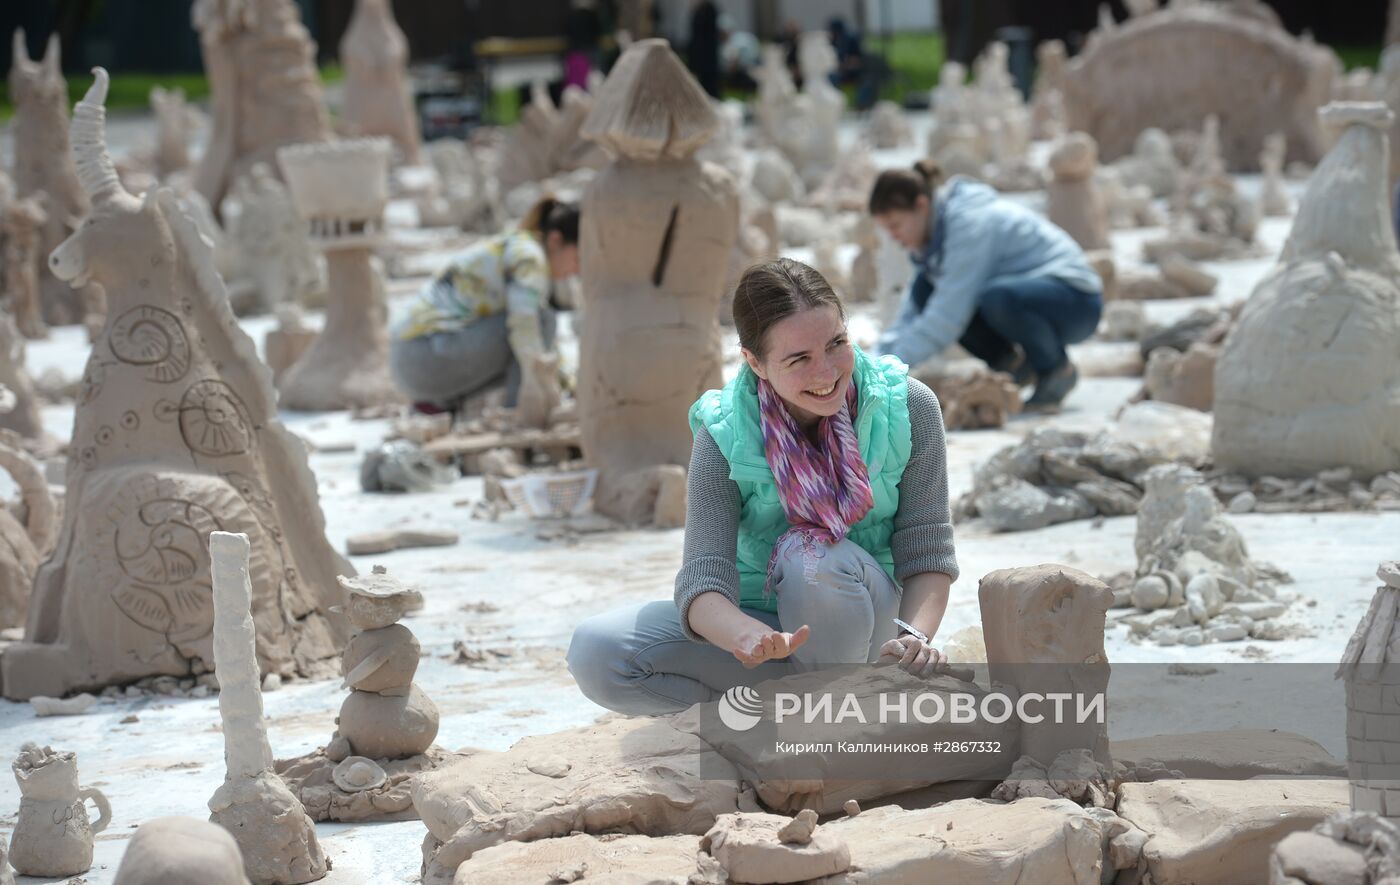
point(637, 660)
point(446, 367)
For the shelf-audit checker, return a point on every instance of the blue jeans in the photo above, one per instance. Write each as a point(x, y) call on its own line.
point(1042, 314)
point(637, 660)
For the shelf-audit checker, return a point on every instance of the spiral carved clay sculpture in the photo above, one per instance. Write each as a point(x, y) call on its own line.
point(175, 436)
point(1309, 377)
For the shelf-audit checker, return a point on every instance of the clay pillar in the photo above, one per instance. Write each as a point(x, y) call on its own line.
point(277, 839)
point(657, 228)
point(378, 100)
point(341, 189)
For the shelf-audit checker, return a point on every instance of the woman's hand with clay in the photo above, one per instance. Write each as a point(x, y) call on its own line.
point(754, 648)
point(916, 657)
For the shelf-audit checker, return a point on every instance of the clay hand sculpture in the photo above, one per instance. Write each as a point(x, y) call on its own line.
point(53, 836)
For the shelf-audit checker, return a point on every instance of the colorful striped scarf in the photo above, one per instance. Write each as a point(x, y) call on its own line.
point(824, 488)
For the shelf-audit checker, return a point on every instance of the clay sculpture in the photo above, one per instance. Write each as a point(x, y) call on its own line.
point(1369, 670)
point(274, 835)
point(1170, 70)
point(1307, 376)
point(22, 223)
point(53, 836)
point(23, 417)
point(25, 536)
point(175, 435)
point(378, 100)
point(387, 724)
point(175, 124)
point(888, 127)
point(272, 242)
point(44, 166)
point(181, 851)
point(1073, 199)
point(657, 230)
point(254, 111)
point(341, 189)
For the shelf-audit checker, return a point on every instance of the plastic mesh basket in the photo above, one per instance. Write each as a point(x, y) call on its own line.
point(551, 495)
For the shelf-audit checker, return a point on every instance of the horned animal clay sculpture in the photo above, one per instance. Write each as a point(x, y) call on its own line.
point(52, 835)
point(378, 99)
point(1307, 375)
point(387, 724)
point(1073, 199)
point(276, 838)
point(26, 535)
point(265, 91)
point(657, 231)
point(181, 851)
point(341, 189)
point(44, 165)
point(175, 435)
point(23, 225)
point(1170, 70)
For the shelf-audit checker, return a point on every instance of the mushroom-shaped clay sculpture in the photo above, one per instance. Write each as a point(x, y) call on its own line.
point(357, 774)
point(377, 600)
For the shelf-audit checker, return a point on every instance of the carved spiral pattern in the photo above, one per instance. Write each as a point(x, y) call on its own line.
point(214, 421)
point(155, 338)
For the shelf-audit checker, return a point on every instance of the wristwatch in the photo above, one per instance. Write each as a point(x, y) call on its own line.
point(905, 627)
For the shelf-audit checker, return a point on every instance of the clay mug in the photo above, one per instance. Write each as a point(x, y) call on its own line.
point(53, 836)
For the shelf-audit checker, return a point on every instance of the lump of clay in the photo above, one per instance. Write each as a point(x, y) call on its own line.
point(175, 436)
point(401, 466)
point(254, 114)
point(752, 848)
point(75, 706)
point(1184, 379)
point(1222, 830)
point(341, 189)
point(1073, 199)
point(627, 775)
point(974, 399)
point(1348, 847)
point(1049, 615)
point(181, 851)
point(398, 539)
point(1307, 375)
point(658, 227)
point(972, 840)
point(52, 835)
point(584, 858)
point(274, 835)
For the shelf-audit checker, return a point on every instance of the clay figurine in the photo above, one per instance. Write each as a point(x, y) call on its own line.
point(53, 836)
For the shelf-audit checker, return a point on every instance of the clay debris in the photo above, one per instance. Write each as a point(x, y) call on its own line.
point(1348, 848)
point(637, 775)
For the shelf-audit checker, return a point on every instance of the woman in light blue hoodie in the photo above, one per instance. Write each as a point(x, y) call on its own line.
point(1004, 282)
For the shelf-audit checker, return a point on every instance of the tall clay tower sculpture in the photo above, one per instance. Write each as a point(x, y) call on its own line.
point(175, 436)
point(1309, 377)
point(44, 168)
point(378, 100)
point(657, 229)
point(264, 88)
point(341, 189)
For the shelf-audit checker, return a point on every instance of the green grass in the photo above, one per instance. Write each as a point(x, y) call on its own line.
point(914, 59)
point(1360, 56)
point(132, 91)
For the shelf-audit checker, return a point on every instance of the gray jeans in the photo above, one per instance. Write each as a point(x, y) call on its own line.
point(445, 367)
point(636, 659)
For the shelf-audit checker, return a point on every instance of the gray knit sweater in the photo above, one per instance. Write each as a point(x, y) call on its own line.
point(923, 530)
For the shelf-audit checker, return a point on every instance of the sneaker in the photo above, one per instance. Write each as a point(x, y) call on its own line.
point(1018, 367)
point(1051, 390)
